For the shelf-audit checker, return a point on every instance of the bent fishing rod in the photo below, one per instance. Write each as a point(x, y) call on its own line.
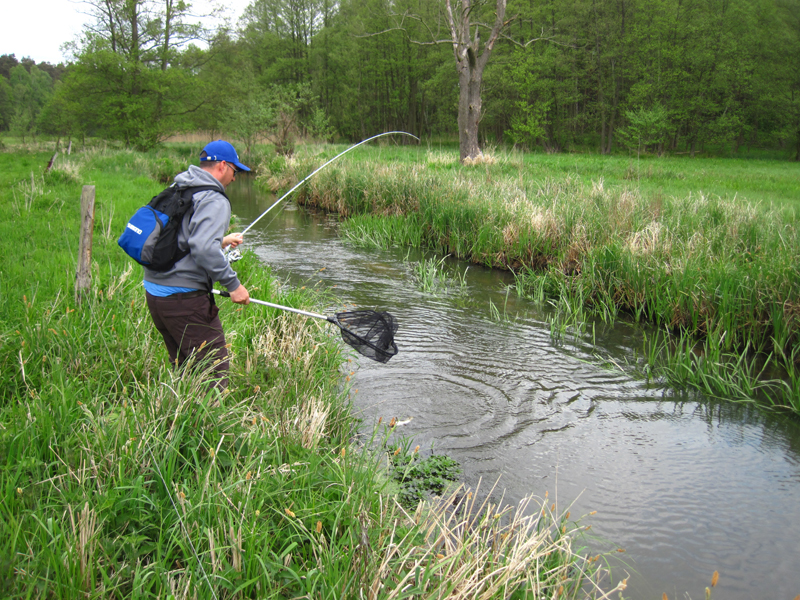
point(235, 255)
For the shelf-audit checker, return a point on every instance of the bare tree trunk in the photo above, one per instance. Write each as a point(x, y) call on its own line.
point(469, 110)
point(168, 15)
point(470, 65)
point(615, 74)
point(602, 120)
point(600, 94)
point(797, 155)
point(412, 105)
point(112, 25)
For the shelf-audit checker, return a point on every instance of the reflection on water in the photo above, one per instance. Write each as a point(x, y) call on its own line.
point(685, 485)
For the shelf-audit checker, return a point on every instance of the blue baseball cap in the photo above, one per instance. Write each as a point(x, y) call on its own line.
point(222, 150)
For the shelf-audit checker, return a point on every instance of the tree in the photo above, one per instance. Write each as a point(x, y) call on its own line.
point(646, 127)
point(470, 62)
point(56, 117)
point(30, 92)
point(291, 105)
point(250, 117)
point(130, 81)
point(529, 105)
point(122, 99)
point(7, 62)
point(278, 34)
point(788, 97)
point(471, 56)
point(6, 104)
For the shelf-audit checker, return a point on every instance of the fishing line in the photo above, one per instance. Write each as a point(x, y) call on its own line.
point(235, 255)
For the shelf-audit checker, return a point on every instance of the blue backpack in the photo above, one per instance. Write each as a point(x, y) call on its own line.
point(151, 236)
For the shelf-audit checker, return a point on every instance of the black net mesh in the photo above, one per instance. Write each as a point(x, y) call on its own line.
point(369, 333)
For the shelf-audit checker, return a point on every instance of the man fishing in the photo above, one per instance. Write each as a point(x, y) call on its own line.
point(180, 300)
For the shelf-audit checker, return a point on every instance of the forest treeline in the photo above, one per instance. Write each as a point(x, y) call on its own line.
point(655, 75)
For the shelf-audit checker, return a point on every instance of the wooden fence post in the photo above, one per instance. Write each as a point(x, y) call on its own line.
point(83, 277)
point(52, 162)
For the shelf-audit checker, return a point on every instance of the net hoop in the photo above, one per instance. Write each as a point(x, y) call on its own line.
point(368, 332)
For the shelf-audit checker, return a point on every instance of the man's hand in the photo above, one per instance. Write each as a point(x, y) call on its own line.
point(240, 295)
point(232, 240)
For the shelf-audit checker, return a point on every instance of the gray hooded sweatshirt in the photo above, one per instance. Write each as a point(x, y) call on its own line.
point(202, 234)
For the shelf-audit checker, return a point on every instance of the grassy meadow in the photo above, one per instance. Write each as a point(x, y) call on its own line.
point(123, 478)
point(705, 252)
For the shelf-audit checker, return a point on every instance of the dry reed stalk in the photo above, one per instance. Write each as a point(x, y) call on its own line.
point(212, 548)
point(235, 540)
point(84, 533)
point(654, 238)
point(441, 158)
point(116, 283)
point(311, 421)
point(284, 469)
point(285, 339)
point(177, 587)
point(484, 551)
point(70, 166)
point(480, 159)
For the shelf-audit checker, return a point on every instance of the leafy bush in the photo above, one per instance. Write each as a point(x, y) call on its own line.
point(166, 167)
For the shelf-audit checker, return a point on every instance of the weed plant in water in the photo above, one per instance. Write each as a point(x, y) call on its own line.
point(429, 274)
point(420, 478)
point(432, 276)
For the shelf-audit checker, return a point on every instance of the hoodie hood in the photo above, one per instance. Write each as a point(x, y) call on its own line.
point(197, 176)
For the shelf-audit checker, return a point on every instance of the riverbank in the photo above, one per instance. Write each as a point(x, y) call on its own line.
point(122, 478)
point(714, 271)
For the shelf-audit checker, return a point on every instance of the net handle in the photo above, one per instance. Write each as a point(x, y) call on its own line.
point(279, 307)
point(334, 320)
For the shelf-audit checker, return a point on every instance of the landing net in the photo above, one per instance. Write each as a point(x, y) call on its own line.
point(369, 333)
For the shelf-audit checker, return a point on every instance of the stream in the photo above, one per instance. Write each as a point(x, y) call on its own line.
point(683, 484)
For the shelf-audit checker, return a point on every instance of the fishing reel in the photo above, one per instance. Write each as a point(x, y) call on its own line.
point(233, 256)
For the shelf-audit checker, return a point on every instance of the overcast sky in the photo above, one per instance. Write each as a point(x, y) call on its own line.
point(38, 28)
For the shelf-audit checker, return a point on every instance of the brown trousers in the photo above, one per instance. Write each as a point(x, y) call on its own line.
point(185, 323)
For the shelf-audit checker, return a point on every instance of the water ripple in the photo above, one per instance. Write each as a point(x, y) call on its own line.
point(685, 485)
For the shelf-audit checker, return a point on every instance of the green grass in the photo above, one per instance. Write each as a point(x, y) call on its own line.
point(122, 478)
point(759, 179)
point(752, 180)
point(707, 249)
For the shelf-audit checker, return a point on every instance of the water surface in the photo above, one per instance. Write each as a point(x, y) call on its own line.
point(683, 484)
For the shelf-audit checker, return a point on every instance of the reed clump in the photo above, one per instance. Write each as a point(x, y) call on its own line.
point(124, 477)
point(719, 272)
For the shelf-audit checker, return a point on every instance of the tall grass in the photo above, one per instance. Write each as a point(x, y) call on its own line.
point(121, 477)
point(716, 269)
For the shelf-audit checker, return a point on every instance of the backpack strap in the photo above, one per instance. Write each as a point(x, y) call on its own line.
point(189, 192)
point(193, 189)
